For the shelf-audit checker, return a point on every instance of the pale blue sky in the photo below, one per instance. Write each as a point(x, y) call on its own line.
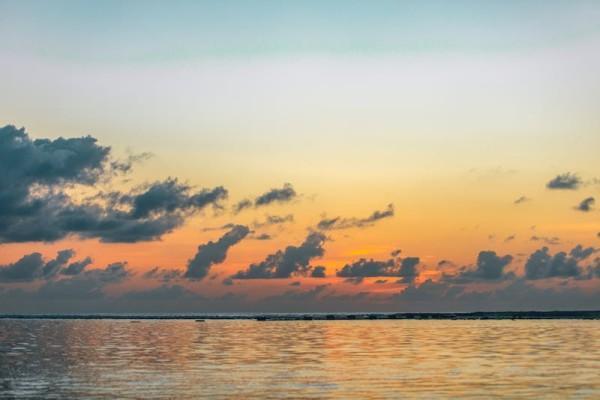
point(144, 31)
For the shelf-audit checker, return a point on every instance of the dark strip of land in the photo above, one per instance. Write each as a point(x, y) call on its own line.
point(483, 315)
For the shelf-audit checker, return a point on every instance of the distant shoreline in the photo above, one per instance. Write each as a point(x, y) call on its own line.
point(499, 315)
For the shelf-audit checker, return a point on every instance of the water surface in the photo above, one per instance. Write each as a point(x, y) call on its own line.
point(184, 359)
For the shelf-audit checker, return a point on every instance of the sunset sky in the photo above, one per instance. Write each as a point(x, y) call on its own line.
point(299, 156)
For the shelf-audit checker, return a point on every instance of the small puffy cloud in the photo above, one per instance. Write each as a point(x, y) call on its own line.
point(212, 253)
point(294, 260)
point(405, 268)
point(564, 181)
point(227, 282)
point(274, 220)
point(521, 200)
point(346, 223)
point(551, 241)
point(162, 274)
point(586, 204)
point(274, 195)
point(318, 272)
point(279, 195)
point(489, 267)
point(262, 236)
point(241, 206)
point(77, 267)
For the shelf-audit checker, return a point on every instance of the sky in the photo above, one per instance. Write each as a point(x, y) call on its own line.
point(248, 156)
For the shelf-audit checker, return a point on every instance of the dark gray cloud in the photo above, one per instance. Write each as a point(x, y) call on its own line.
point(77, 267)
point(489, 267)
point(32, 267)
point(567, 181)
point(521, 199)
point(212, 253)
point(346, 223)
point(405, 268)
point(294, 260)
point(35, 206)
point(586, 204)
point(318, 272)
point(542, 265)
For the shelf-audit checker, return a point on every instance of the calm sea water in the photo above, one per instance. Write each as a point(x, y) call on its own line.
point(298, 359)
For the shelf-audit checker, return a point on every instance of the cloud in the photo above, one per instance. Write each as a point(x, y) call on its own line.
point(77, 267)
point(35, 204)
point(405, 268)
point(521, 200)
point(567, 181)
point(294, 260)
point(586, 204)
point(280, 195)
point(518, 295)
point(87, 285)
point(227, 282)
point(161, 293)
point(162, 274)
point(510, 238)
point(241, 206)
point(212, 253)
point(318, 272)
point(489, 267)
point(542, 265)
point(274, 220)
point(346, 223)
point(275, 195)
point(262, 236)
point(551, 241)
point(32, 267)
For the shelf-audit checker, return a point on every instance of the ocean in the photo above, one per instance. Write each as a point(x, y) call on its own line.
point(324, 359)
